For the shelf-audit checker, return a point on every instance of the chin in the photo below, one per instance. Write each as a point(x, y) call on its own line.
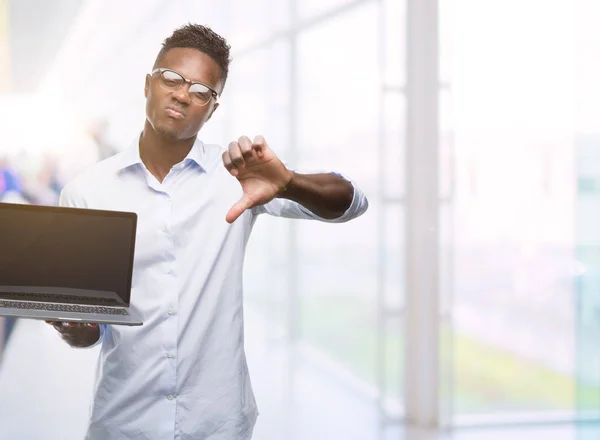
point(167, 132)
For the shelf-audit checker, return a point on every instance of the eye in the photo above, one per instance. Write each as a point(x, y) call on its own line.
point(200, 93)
point(171, 79)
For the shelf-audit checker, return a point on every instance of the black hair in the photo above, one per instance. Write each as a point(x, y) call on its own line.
point(201, 38)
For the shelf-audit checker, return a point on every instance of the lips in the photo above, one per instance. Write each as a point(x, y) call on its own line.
point(175, 112)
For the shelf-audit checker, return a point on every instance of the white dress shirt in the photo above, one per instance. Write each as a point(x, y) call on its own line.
point(183, 374)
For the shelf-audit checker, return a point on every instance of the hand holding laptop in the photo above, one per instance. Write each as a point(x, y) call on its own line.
point(77, 334)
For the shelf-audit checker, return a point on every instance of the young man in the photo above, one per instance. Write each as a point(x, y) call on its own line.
point(183, 374)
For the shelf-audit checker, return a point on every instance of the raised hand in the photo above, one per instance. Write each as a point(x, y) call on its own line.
point(260, 172)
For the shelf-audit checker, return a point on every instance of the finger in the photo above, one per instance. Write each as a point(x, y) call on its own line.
point(237, 209)
point(245, 147)
point(235, 153)
point(66, 327)
point(228, 164)
point(56, 324)
point(259, 145)
point(59, 326)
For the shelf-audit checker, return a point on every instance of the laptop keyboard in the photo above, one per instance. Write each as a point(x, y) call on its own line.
point(54, 297)
point(63, 308)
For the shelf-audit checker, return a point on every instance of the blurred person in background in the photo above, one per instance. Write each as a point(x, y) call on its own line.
point(183, 374)
point(11, 186)
point(11, 191)
point(98, 131)
point(42, 187)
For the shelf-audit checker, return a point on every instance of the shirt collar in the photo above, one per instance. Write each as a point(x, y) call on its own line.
point(131, 156)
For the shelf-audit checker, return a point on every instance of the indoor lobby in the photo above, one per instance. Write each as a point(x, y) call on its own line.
point(463, 305)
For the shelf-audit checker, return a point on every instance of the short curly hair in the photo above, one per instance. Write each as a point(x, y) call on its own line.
point(201, 38)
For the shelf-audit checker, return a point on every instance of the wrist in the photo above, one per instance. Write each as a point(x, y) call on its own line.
point(289, 182)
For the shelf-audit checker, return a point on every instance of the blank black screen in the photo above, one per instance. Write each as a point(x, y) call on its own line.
point(63, 247)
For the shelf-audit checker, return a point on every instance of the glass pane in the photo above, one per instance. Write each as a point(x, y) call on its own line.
point(446, 35)
point(393, 365)
point(394, 140)
point(256, 101)
point(447, 145)
point(587, 269)
point(310, 8)
point(587, 143)
point(586, 66)
point(252, 22)
point(247, 85)
point(338, 130)
point(392, 248)
point(513, 208)
point(256, 98)
point(394, 43)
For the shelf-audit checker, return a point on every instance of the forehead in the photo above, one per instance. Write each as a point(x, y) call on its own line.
point(192, 64)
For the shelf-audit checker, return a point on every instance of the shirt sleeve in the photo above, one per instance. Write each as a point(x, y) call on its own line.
point(70, 198)
point(290, 209)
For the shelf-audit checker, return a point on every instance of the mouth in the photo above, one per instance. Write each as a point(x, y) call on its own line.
point(174, 113)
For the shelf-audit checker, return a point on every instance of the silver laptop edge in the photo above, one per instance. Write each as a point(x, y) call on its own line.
point(81, 309)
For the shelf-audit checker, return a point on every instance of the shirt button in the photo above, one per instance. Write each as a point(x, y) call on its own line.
point(170, 311)
point(170, 397)
point(170, 355)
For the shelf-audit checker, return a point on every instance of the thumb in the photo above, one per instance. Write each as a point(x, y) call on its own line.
point(236, 210)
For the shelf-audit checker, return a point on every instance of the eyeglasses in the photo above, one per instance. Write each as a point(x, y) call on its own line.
point(200, 94)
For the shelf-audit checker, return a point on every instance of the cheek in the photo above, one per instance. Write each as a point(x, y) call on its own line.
point(198, 118)
point(153, 104)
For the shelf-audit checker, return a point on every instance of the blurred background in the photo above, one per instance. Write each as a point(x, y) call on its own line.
point(464, 304)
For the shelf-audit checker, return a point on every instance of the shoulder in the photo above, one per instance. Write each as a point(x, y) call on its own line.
point(213, 154)
point(91, 178)
point(212, 160)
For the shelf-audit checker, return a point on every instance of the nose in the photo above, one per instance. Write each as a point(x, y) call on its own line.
point(182, 95)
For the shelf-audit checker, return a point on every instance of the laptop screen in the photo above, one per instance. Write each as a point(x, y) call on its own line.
point(51, 251)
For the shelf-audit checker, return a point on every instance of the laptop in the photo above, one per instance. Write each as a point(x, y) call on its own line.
point(67, 264)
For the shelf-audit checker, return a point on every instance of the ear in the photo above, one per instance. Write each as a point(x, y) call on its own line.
point(147, 85)
point(215, 107)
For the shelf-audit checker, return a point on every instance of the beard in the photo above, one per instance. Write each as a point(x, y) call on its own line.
point(166, 131)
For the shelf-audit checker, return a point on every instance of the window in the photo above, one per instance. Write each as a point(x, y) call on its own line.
point(337, 128)
point(514, 245)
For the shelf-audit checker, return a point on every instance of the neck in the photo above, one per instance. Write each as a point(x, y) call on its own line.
point(159, 154)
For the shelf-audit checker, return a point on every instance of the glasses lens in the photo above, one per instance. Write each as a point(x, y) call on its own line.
point(200, 94)
point(171, 80)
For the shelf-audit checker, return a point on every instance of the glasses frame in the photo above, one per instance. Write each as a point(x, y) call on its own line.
point(215, 95)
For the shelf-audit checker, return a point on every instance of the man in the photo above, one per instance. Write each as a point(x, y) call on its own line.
point(183, 374)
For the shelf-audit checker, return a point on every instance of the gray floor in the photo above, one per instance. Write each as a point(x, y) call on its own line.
point(45, 391)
